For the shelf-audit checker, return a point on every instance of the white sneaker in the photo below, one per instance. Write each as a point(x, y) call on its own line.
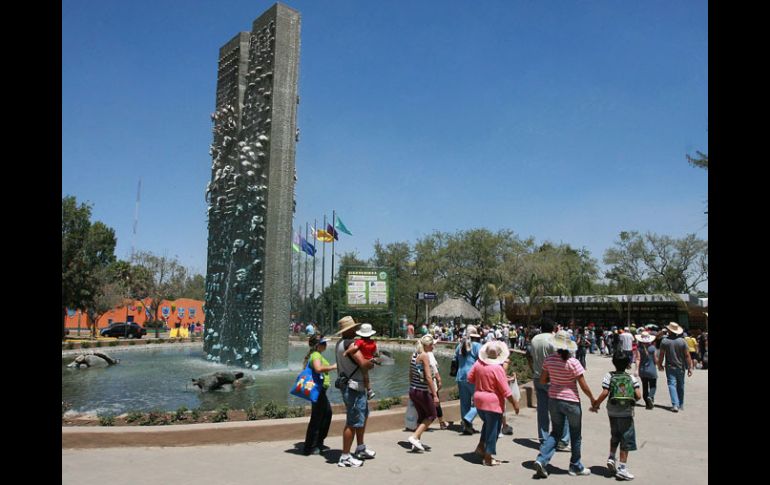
point(624, 474)
point(540, 470)
point(350, 461)
point(416, 444)
point(364, 453)
point(584, 472)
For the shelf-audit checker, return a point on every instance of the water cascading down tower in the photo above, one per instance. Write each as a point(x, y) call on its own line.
point(251, 194)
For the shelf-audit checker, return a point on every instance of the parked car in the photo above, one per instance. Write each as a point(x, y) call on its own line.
point(122, 329)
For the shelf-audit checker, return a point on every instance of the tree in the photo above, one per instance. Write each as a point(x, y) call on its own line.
point(86, 249)
point(398, 256)
point(658, 263)
point(701, 160)
point(111, 292)
point(167, 280)
point(194, 287)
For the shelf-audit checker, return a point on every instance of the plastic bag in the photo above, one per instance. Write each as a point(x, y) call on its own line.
point(515, 389)
point(410, 418)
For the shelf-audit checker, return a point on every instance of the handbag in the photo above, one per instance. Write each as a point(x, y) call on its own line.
point(453, 367)
point(305, 387)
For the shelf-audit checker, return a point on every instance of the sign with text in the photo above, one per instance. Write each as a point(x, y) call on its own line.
point(426, 295)
point(367, 289)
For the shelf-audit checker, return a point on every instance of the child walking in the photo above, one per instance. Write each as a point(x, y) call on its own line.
point(368, 348)
point(623, 391)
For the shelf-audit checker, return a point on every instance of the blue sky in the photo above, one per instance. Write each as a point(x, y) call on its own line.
point(568, 121)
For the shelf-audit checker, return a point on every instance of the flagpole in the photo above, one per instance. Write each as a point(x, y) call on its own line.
point(334, 217)
point(299, 266)
point(306, 255)
point(312, 293)
point(323, 271)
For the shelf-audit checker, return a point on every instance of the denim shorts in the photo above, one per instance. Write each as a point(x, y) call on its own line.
point(357, 407)
point(622, 432)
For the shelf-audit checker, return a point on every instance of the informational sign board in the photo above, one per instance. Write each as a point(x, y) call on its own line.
point(426, 295)
point(367, 289)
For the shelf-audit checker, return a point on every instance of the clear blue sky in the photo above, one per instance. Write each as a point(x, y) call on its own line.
point(568, 121)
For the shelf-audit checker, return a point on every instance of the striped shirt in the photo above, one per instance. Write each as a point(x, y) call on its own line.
point(417, 374)
point(563, 376)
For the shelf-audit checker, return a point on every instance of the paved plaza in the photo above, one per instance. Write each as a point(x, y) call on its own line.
point(672, 449)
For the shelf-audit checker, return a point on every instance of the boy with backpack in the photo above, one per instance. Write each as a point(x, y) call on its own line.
point(623, 391)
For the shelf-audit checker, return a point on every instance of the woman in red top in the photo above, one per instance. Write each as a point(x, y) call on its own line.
point(492, 388)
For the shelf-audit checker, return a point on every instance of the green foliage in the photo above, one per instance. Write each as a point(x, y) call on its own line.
point(85, 345)
point(388, 402)
point(220, 414)
point(274, 411)
point(106, 419)
point(69, 345)
point(156, 418)
point(518, 365)
point(454, 395)
point(180, 414)
point(253, 412)
point(134, 416)
point(114, 343)
point(195, 414)
point(65, 406)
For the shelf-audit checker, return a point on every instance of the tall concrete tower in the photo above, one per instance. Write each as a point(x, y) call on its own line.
point(251, 194)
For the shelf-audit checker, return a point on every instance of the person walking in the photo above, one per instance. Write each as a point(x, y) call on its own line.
point(675, 357)
point(582, 345)
point(466, 353)
point(353, 395)
point(646, 370)
point(437, 381)
point(321, 414)
point(540, 347)
point(422, 390)
point(565, 374)
point(492, 389)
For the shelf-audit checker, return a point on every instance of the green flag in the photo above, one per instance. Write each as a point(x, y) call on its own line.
point(341, 227)
point(295, 247)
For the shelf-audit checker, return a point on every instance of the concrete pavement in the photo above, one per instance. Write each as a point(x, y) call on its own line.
point(673, 449)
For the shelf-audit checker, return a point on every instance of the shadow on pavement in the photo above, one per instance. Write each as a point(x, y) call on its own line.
point(408, 446)
point(552, 470)
point(296, 449)
point(470, 457)
point(601, 471)
point(528, 442)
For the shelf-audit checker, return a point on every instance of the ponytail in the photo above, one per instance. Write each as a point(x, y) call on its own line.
point(313, 343)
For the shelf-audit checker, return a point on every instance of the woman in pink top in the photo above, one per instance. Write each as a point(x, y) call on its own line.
point(492, 388)
point(565, 373)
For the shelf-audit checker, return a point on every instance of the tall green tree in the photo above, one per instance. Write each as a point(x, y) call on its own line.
point(87, 248)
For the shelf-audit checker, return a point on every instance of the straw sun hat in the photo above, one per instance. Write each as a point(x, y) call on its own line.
point(645, 337)
point(674, 327)
point(345, 324)
point(562, 341)
point(471, 331)
point(493, 352)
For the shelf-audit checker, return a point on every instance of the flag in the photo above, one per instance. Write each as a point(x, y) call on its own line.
point(296, 243)
point(307, 247)
point(332, 232)
point(339, 225)
point(324, 236)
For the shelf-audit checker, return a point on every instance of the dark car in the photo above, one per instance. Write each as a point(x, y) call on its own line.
point(122, 329)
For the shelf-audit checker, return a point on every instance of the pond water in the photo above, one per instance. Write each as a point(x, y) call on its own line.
point(160, 379)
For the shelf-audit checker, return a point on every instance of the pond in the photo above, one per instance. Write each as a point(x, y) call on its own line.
point(160, 379)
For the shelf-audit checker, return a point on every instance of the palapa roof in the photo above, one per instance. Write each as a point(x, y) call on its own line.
point(455, 308)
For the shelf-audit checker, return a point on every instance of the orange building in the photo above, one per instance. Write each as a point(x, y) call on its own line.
point(182, 310)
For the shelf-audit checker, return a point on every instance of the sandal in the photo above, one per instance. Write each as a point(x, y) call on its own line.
point(492, 462)
point(480, 451)
point(443, 425)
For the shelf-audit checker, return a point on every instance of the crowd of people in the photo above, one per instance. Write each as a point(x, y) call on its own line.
point(556, 357)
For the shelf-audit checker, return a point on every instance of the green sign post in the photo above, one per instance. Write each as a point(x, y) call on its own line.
point(370, 293)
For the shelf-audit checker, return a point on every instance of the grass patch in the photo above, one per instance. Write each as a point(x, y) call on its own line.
point(275, 411)
point(388, 402)
point(106, 419)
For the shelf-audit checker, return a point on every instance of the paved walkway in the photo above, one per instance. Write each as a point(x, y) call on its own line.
point(673, 449)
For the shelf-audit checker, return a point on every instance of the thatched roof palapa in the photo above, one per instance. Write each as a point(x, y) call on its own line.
point(455, 308)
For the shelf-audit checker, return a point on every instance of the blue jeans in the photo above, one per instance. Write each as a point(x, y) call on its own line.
point(569, 413)
point(466, 398)
point(675, 379)
point(356, 406)
point(491, 430)
point(542, 414)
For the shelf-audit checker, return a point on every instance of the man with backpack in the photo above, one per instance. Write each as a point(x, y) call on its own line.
point(623, 391)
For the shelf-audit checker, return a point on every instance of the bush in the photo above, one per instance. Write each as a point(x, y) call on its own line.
point(181, 414)
point(85, 345)
point(195, 414)
point(69, 345)
point(518, 364)
point(114, 343)
point(134, 416)
point(252, 412)
point(220, 414)
point(388, 402)
point(454, 395)
point(106, 419)
point(156, 418)
point(65, 406)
